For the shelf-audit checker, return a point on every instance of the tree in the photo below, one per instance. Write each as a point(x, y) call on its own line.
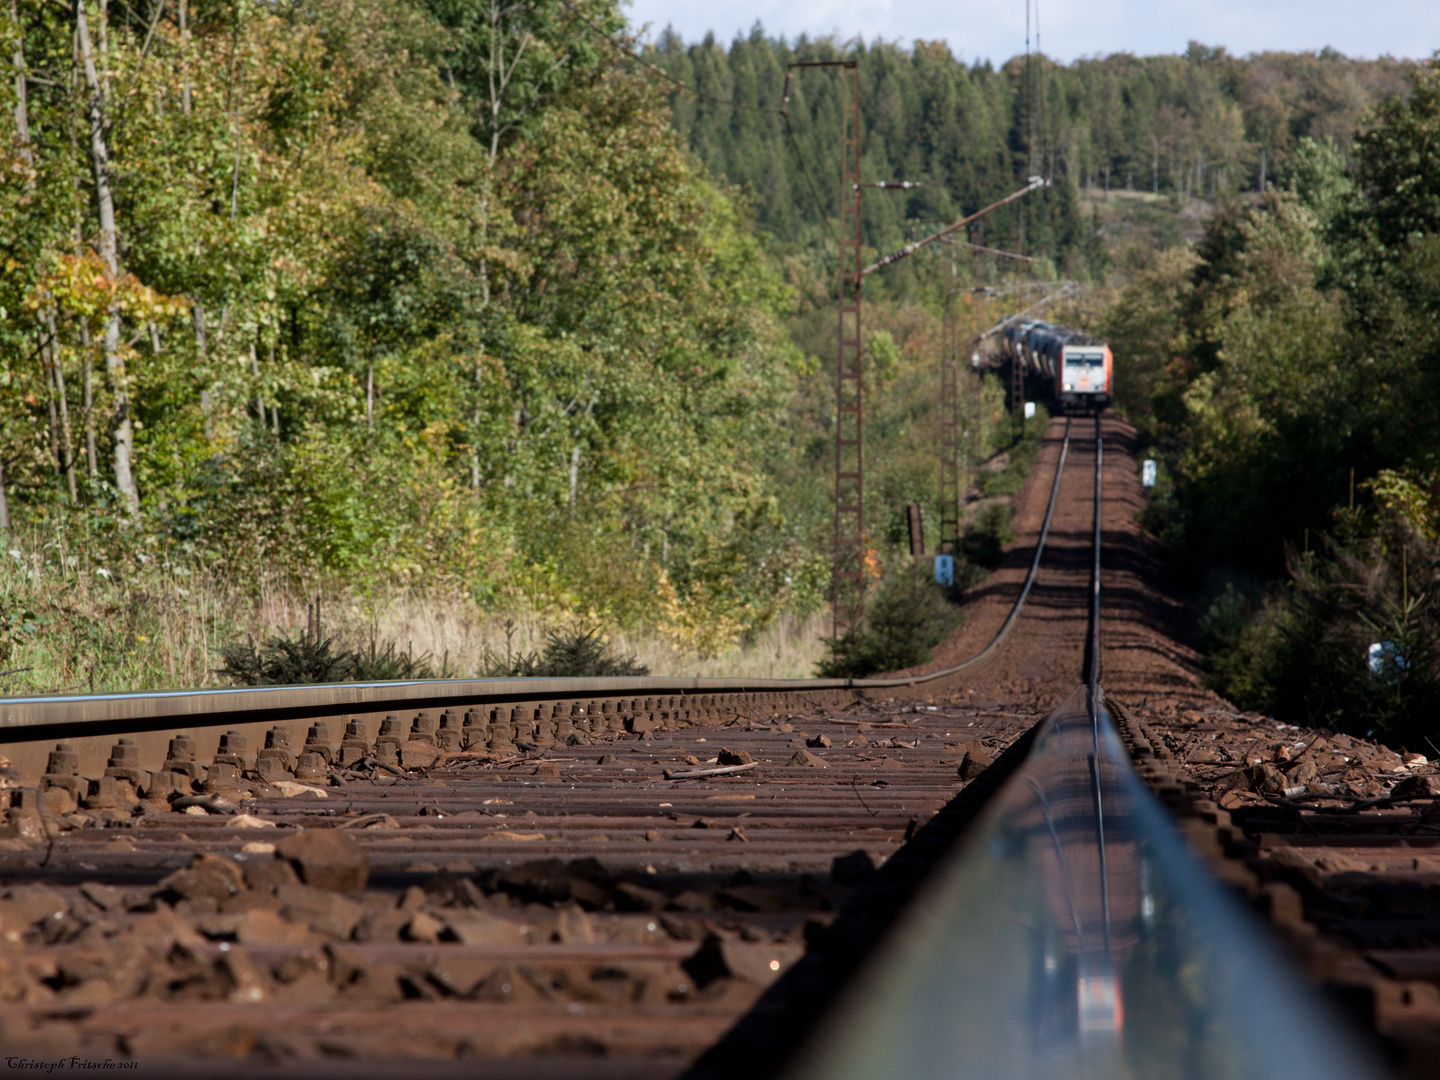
point(122, 425)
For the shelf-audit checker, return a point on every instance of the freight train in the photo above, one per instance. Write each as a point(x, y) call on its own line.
point(1077, 369)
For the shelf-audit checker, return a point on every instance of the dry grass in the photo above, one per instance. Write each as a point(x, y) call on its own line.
point(69, 623)
point(456, 632)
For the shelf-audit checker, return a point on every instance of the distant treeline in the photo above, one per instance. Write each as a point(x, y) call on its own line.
point(1201, 124)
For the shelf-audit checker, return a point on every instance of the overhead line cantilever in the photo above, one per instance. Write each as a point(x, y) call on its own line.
point(1035, 183)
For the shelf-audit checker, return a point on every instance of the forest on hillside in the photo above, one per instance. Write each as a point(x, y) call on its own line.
point(1203, 125)
point(495, 311)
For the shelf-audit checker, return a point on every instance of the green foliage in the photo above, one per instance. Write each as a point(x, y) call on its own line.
point(370, 663)
point(285, 661)
point(1288, 372)
point(425, 322)
point(1148, 338)
point(312, 657)
point(1022, 439)
point(437, 295)
point(578, 653)
point(907, 616)
point(1305, 656)
point(1192, 126)
point(1398, 158)
point(1319, 174)
point(510, 60)
point(985, 538)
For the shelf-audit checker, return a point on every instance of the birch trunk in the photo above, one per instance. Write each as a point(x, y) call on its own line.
point(198, 316)
point(67, 458)
point(67, 443)
point(259, 396)
point(4, 503)
point(22, 113)
point(92, 462)
point(22, 138)
point(53, 429)
point(184, 61)
point(122, 425)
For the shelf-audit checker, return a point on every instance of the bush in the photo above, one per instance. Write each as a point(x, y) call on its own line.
point(374, 664)
point(906, 618)
point(285, 661)
point(984, 540)
point(1024, 438)
point(311, 657)
point(967, 576)
point(1304, 655)
point(578, 653)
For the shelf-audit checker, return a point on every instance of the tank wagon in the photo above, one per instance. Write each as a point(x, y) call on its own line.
point(1078, 370)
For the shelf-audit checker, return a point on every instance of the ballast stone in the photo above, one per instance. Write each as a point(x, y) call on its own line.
point(326, 859)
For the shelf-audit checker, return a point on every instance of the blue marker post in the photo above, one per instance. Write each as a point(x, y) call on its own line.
point(945, 570)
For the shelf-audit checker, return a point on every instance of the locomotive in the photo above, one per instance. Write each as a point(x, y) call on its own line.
point(1078, 369)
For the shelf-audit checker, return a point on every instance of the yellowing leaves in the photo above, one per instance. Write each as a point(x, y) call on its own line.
point(82, 286)
point(705, 622)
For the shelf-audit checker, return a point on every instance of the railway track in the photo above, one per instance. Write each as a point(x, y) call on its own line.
point(620, 877)
point(1347, 883)
point(1073, 934)
point(583, 878)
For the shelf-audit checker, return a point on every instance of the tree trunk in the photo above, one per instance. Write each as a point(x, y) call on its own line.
point(53, 430)
point(197, 314)
point(67, 443)
point(22, 113)
point(574, 474)
point(4, 502)
point(259, 397)
point(92, 461)
point(50, 346)
point(475, 421)
point(274, 405)
point(121, 424)
point(184, 61)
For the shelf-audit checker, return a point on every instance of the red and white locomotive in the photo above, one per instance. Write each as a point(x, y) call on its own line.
point(1080, 369)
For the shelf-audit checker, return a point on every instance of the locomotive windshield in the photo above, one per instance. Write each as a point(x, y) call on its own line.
point(1095, 358)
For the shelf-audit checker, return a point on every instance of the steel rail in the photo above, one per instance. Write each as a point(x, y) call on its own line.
point(1074, 933)
point(1000, 635)
point(27, 719)
point(1092, 678)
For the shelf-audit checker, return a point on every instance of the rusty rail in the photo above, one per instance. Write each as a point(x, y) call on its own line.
point(1074, 933)
point(50, 716)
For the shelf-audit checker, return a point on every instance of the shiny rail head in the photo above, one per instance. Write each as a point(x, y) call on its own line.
point(1075, 935)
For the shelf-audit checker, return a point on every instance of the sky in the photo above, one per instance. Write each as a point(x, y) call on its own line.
point(995, 29)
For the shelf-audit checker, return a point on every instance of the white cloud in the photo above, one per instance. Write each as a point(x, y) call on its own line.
point(982, 29)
